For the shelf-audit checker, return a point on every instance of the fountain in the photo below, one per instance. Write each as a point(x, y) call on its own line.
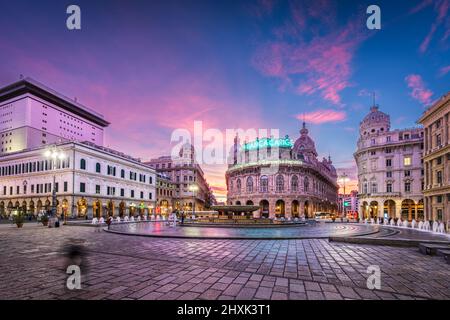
point(420, 225)
point(392, 222)
point(405, 223)
point(413, 223)
point(132, 219)
point(118, 219)
point(441, 228)
point(138, 218)
point(399, 222)
point(126, 219)
point(435, 226)
point(145, 217)
point(372, 221)
point(94, 221)
point(153, 217)
point(158, 217)
point(385, 222)
point(426, 225)
point(102, 220)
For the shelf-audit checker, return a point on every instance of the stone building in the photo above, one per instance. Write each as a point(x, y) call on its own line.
point(390, 174)
point(436, 157)
point(165, 191)
point(284, 179)
point(188, 178)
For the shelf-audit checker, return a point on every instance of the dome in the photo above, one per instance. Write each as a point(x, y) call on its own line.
point(304, 146)
point(375, 122)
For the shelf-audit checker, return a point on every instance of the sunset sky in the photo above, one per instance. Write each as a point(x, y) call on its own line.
point(154, 66)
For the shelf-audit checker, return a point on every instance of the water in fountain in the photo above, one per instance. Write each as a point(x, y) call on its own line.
point(435, 226)
point(385, 222)
point(132, 219)
point(420, 225)
point(441, 228)
point(145, 217)
point(413, 223)
point(405, 223)
point(102, 220)
point(372, 221)
point(153, 217)
point(426, 225)
point(138, 218)
point(94, 221)
point(392, 222)
point(399, 222)
point(126, 219)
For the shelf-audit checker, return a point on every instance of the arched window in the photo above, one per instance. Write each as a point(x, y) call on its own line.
point(249, 184)
point(264, 184)
point(97, 167)
point(294, 183)
point(306, 184)
point(122, 173)
point(231, 185)
point(238, 185)
point(280, 183)
point(365, 190)
point(83, 164)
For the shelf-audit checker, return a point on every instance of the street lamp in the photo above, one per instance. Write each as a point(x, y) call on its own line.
point(193, 188)
point(343, 178)
point(53, 155)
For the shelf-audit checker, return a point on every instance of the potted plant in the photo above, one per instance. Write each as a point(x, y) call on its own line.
point(44, 220)
point(18, 219)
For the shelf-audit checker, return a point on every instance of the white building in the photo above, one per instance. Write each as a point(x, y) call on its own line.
point(33, 115)
point(89, 180)
point(390, 169)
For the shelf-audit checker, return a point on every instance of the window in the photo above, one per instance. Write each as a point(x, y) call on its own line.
point(388, 139)
point(150, 195)
point(98, 167)
point(388, 174)
point(142, 194)
point(280, 183)
point(97, 189)
point(83, 164)
point(122, 173)
point(439, 177)
point(438, 140)
point(439, 199)
point(407, 186)
point(407, 161)
point(264, 184)
point(388, 162)
point(389, 187)
point(65, 186)
point(122, 192)
point(82, 187)
point(372, 153)
point(388, 150)
point(132, 193)
point(249, 184)
point(238, 185)
point(294, 183)
point(306, 184)
point(407, 173)
point(365, 188)
point(374, 188)
point(439, 160)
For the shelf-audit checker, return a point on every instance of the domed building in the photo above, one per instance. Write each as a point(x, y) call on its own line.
point(285, 179)
point(390, 175)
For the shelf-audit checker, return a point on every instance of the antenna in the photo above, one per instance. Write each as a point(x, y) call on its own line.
point(373, 98)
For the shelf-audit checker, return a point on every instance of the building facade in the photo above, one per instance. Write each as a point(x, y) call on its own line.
point(390, 170)
point(284, 179)
point(436, 158)
point(165, 190)
point(90, 181)
point(349, 202)
point(33, 115)
point(190, 186)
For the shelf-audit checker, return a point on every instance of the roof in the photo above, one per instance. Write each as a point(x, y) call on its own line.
point(36, 88)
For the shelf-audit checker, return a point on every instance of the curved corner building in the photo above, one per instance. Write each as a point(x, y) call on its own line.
point(284, 179)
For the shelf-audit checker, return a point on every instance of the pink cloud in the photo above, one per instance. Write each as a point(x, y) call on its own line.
point(441, 8)
point(322, 116)
point(311, 53)
point(444, 70)
point(419, 91)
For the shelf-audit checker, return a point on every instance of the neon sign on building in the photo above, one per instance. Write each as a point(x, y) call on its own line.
point(268, 143)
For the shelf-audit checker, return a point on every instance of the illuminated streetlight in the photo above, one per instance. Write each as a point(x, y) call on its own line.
point(343, 179)
point(193, 188)
point(54, 154)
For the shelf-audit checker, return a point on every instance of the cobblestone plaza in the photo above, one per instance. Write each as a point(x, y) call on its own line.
point(131, 267)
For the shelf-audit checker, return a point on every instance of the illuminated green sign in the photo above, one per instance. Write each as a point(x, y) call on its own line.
point(268, 143)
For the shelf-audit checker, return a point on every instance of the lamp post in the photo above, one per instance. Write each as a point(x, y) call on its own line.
point(343, 179)
point(53, 154)
point(193, 188)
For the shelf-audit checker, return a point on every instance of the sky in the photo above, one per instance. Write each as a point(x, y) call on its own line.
point(152, 67)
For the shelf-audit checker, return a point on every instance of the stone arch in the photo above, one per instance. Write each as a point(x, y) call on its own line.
point(32, 207)
point(408, 209)
point(306, 209)
point(97, 209)
point(122, 209)
point(295, 208)
point(47, 205)
point(373, 209)
point(264, 208)
point(2, 208)
point(82, 207)
point(23, 207)
point(39, 205)
point(389, 208)
point(280, 208)
point(65, 207)
point(249, 203)
point(110, 208)
point(420, 212)
point(238, 203)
